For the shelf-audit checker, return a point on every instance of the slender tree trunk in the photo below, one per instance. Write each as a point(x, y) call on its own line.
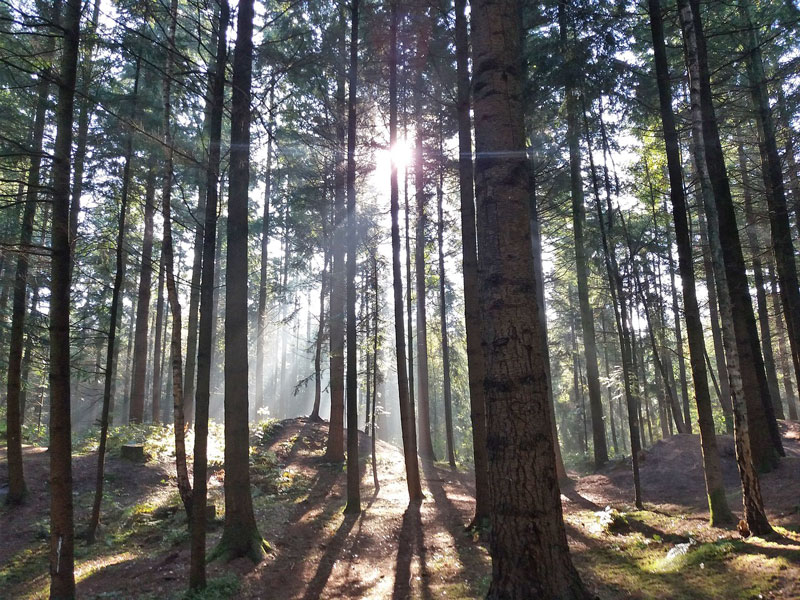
point(621, 319)
point(448, 401)
point(262, 282)
point(335, 451)
point(158, 350)
point(16, 479)
point(62, 578)
point(116, 297)
point(240, 536)
point(772, 171)
point(216, 99)
point(716, 329)
point(785, 359)
point(472, 317)
point(353, 475)
point(323, 290)
point(758, 278)
point(766, 443)
point(407, 421)
point(184, 485)
point(138, 387)
point(530, 557)
point(375, 375)
point(423, 388)
point(578, 224)
point(717, 503)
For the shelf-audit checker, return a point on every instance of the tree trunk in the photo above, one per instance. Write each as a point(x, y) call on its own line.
point(407, 422)
point(335, 450)
point(530, 557)
point(240, 536)
point(578, 224)
point(262, 282)
point(323, 290)
point(766, 443)
point(758, 278)
point(62, 578)
point(772, 171)
point(353, 475)
point(116, 297)
point(216, 100)
point(470, 267)
point(423, 388)
point(157, 345)
point(138, 387)
point(184, 486)
point(712, 470)
point(786, 370)
point(16, 479)
point(448, 398)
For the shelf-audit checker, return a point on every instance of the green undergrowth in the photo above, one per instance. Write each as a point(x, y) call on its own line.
point(639, 555)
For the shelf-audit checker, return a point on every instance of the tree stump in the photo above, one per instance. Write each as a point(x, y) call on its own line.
point(132, 452)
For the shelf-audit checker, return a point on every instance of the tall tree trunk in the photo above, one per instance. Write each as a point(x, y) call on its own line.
point(448, 398)
point(786, 370)
point(184, 486)
point(758, 278)
point(423, 387)
point(62, 577)
point(335, 450)
point(116, 297)
point(713, 310)
point(16, 479)
point(240, 536)
point(734, 296)
point(407, 421)
point(158, 351)
point(578, 224)
point(262, 282)
point(621, 320)
point(139, 377)
point(353, 475)
point(323, 291)
point(216, 100)
point(84, 115)
point(766, 443)
point(772, 171)
point(530, 557)
point(469, 254)
point(715, 489)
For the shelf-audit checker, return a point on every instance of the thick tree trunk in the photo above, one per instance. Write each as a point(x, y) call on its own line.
point(712, 470)
point(353, 475)
point(407, 424)
point(62, 578)
point(216, 99)
point(240, 536)
point(530, 557)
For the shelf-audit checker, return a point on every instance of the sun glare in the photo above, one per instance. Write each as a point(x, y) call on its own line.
point(401, 153)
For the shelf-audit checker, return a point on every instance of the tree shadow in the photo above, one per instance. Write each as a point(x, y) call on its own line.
point(328, 559)
point(411, 540)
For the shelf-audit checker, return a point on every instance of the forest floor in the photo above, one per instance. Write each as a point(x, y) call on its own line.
point(391, 551)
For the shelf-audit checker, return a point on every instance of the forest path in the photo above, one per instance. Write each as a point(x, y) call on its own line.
point(395, 551)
